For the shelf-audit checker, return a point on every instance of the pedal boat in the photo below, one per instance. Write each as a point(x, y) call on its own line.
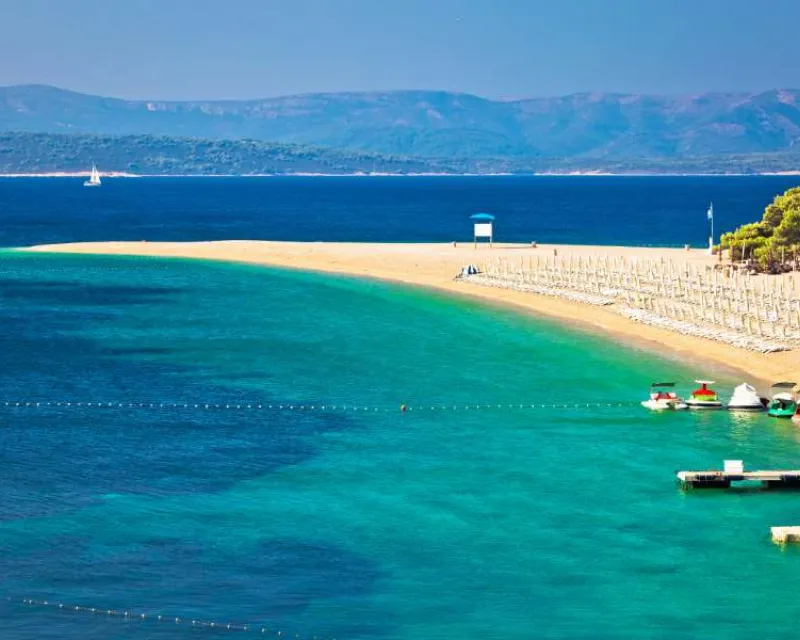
point(783, 403)
point(704, 398)
point(663, 400)
point(746, 398)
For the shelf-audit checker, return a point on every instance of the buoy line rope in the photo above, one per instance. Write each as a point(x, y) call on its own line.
point(187, 621)
point(305, 408)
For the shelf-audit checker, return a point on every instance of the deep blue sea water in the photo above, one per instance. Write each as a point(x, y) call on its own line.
point(434, 523)
point(668, 211)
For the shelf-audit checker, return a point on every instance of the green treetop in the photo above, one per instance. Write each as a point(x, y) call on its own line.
point(773, 243)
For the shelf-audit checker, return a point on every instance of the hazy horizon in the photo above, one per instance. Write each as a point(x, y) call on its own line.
point(405, 90)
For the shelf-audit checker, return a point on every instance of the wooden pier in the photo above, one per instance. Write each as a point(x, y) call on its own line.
point(734, 472)
point(782, 535)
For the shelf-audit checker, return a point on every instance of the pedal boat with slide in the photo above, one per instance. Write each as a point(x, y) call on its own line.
point(704, 398)
point(746, 398)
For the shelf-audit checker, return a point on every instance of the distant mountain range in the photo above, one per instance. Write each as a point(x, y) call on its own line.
point(590, 129)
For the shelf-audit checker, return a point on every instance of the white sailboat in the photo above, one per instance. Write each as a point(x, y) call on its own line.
point(94, 179)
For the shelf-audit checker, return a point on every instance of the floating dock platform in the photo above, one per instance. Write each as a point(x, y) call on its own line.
point(734, 472)
point(782, 535)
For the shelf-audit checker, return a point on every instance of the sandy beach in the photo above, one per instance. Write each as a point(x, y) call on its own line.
point(435, 265)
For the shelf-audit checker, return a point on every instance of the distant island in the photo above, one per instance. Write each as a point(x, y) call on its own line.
point(401, 132)
point(46, 153)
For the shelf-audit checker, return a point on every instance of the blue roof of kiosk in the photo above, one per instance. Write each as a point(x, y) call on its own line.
point(482, 216)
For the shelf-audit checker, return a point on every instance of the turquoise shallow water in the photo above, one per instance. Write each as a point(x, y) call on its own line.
point(501, 523)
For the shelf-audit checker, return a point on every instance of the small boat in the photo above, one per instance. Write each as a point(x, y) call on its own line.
point(94, 179)
point(661, 400)
point(746, 398)
point(783, 403)
point(704, 398)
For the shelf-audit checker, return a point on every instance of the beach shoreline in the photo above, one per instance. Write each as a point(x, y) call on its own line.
point(434, 267)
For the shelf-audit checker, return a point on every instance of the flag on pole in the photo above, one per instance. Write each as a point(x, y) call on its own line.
point(711, 211)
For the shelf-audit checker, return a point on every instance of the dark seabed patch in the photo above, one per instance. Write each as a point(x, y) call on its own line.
point(69, 293)
point(82, 453)
point(271, 583)
point(150, 452)
point(135, 351)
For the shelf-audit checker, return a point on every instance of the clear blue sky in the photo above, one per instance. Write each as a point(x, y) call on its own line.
point(193, 49)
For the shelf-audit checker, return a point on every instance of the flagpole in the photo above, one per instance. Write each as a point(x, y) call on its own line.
point(711, 237)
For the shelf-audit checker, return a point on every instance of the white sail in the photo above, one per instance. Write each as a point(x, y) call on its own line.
point(94, 179)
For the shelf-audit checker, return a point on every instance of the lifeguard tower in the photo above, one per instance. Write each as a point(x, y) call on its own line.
point(483, 227)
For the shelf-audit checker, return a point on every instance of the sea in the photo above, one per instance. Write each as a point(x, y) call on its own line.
point(187, 445)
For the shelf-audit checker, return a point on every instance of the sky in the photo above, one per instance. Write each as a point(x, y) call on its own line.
point(236, 49)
